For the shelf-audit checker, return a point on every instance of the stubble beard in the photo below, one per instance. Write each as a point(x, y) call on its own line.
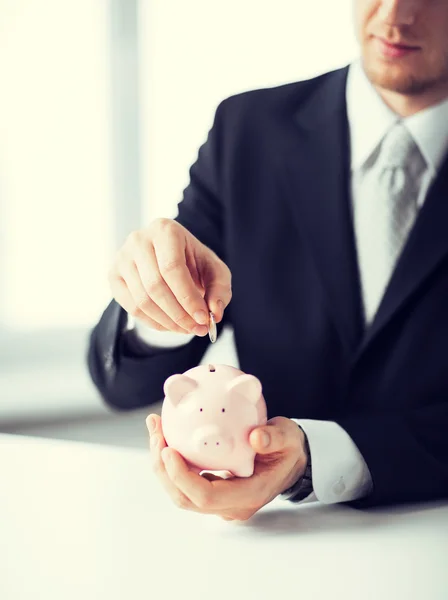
point(402, 81)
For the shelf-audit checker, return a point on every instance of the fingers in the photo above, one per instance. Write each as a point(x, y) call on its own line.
point(171, 255)
point(218, 285)
point(234, 499)
point(164, 276)
point(157, 444)
point(209, 496)
point(168, 285)
point(187, 489)
point(132, 275)
point(123, 296)
point(238, 498)
point(192, 485)
point(158, 448)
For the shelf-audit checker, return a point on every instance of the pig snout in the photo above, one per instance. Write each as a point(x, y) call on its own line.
point(213, 440)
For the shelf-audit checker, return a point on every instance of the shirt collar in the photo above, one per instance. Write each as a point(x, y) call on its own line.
point(429, 129)
point(370, 119)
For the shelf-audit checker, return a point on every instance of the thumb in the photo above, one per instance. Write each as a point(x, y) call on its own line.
point(268, 439)
point(218, 287)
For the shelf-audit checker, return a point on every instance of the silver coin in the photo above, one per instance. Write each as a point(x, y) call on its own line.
point(212, 332)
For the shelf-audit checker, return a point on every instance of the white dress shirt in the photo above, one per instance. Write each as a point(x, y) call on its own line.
point(370, 119)
point(340, 473)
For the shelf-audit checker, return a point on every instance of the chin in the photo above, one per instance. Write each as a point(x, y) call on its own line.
point(399, 82)
point(402, 79)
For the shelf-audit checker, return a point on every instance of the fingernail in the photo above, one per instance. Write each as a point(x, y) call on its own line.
point(151, 424)
point(201, 317)
point(220, 305)
point(265, 439)
point(200, 330)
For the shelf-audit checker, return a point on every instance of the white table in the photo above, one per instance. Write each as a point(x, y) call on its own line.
point(89, 522)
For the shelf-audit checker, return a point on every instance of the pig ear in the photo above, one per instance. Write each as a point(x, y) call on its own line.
point(246, 385)
point(177, 386)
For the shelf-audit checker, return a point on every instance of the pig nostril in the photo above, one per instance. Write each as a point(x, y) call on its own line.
point(217, 443)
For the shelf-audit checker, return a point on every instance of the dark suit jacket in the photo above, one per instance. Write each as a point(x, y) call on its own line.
point(269, 193)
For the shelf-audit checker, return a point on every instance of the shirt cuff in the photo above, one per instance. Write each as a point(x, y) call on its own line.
point(154, 338)
point(340, 473)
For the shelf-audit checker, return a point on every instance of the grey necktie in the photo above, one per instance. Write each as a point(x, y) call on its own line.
point(385, 209)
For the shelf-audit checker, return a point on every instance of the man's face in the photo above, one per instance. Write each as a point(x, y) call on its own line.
point(404, 43)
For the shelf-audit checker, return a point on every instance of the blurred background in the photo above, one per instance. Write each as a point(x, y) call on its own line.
point(103, 106)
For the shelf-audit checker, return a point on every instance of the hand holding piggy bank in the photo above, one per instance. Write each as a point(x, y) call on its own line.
point(208, 414)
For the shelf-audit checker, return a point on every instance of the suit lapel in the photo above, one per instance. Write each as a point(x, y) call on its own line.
point(425, 248)
point(316, 162)
point(317, 185)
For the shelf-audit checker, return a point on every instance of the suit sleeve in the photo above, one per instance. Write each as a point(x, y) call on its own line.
point(406, 454)
point(339, 471)
point(127, 373)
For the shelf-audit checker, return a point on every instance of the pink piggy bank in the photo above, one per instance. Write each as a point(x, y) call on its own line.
point(207, 416)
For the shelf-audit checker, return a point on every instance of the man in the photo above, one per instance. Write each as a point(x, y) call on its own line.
point(320, 208)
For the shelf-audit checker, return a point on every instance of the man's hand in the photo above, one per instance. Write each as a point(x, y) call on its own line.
point(168, 279)
point(279, 462)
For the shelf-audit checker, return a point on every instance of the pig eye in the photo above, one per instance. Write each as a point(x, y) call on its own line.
point(200, 409)
point(223, 410)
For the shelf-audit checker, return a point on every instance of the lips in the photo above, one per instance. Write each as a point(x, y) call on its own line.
point(389, 50)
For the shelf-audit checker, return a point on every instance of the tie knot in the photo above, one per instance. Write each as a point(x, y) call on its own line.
point(399, 149)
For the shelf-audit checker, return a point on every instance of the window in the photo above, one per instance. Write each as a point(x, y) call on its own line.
point(68, 80)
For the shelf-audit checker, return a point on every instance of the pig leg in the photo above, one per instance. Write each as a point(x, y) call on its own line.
point(245, 465)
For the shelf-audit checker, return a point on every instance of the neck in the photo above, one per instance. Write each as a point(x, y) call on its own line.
point(406, 106)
